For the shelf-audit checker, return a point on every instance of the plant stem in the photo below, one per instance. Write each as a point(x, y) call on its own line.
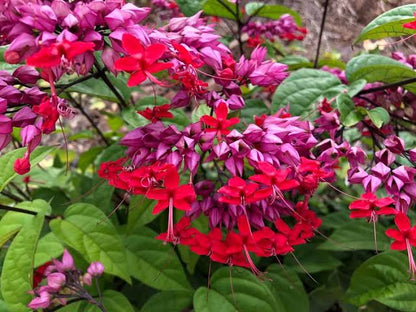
point(321, 31)
point(25, 211)
point(81, 109)
point(388, 86)
point(122, 103)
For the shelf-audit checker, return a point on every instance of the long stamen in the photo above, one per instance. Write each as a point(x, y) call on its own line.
point(412, 265)
point(170, 235)
point(253, 267)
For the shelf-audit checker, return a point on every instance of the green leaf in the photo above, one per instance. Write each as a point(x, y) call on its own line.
point(311, 258)
point(88, 157)
point(209, 300)
point(288, 290)
point(3, 306)
point(272, 11)
point(140, 212)
point(86, 229)
point(169, 301)
point(379, 116)
point(200, 111)
point(96, 88)
point(220, 8)
point(384, 278)
point(17, 271)
point(356, 235)
point(113, 301)
point(389, 24)
point(378, 68)
point(154, 263)
point(190, 7)
point(304, 88)
point(348, 113)
point(49, 247)
point(250, 294)
point(7, 160)
point(356, 86)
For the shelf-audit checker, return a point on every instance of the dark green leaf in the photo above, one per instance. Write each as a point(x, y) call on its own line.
point(288, 290)
point(154, 263)
point(209, 300)
point(113, 301)
point(384, 278)
point(140, 212)
point(356, 235)
point(17, 271)
point(304, 88)
point(86, 229)
point(220, 8)
point(190, 7)
point(389, 24)
point(379, 116)
point(7, 160)
point(88, 157)
point(378, 68)
point(94, 87)
point(169, 301)
point(272, 11)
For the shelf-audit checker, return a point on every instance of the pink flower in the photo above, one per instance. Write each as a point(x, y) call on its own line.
point(67, 263)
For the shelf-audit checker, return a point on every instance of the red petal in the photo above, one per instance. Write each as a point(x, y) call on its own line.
point(128, 64)
point(160, 206)
point(210, 121)
point(395, 234)
point(386, 211)
point(185, 191)
point(261, 178)
point(158, 194)
point(45, 58)
point(171, 179)
point(237, 182)
point(360, 204)
point(402, 222)
point(153, 52)
point(411, 25)
point(360, 214)
point(136, 78)
point(131, 44)
point(181, 204)
point(382, 202)
point(77, 48)
point(157, 67)
point(288, 185)
point(398, 246)
point(221, 111)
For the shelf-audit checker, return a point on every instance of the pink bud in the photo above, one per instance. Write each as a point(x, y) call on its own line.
point(394, 144)
point(67, 263)
point(95, 269)
point(41, 302)
point(56, 280)
point(5, 125)
point(4, 140)
point(31, 136)
point(109, 56)
point(26, 74)
point(412, 154)
point(87, 279)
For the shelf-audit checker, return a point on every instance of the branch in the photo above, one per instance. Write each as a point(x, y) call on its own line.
point(79, 106)
point(122, 103)
point(388, 86)
point(25, 211)
point(321, 31)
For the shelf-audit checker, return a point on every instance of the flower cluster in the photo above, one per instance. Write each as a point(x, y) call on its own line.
point(167, 9)
point(284, 28)
point(63, 281)
point(257, 174)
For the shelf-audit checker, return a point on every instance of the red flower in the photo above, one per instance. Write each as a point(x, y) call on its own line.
point(156, 113)
point(173, 195)
point(183, 233)
point(185, 56)
point(229, 251)
point(410, 25)
point(366, 207)
point(268, 243)
point(142, 61)
point(405, 235)
point(275, 179)
point(238, 192)
point(202, 244)
point(405, 238)
point(51, 56)
point(220, 124)
point(47, 109)
point(38, 274)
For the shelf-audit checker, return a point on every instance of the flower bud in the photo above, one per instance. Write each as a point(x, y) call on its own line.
point(41, 302)
point(67, 263)
point(394, 144)
point(56, 280)
point(26, 74)
point(21, 165)
point(95, 269)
